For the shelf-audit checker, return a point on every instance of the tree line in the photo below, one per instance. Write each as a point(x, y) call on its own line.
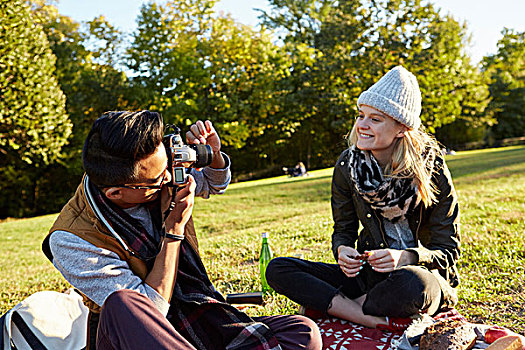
point(278, 94)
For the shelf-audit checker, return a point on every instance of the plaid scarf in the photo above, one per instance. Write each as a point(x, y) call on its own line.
point(143, 245)
point(200, 313)
point(197, 310)
point(391, 197)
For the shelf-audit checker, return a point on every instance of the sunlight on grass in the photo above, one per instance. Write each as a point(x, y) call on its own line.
point(296, 212)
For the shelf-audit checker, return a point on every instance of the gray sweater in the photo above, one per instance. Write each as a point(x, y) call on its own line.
point(98, 272)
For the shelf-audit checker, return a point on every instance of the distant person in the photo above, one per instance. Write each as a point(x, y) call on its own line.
point(393, 181)
point(137, 263)
point(298, 170)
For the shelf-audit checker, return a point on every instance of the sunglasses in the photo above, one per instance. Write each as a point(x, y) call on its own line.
point(151, 187)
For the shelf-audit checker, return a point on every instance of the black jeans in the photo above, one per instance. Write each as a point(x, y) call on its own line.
point(404, 292)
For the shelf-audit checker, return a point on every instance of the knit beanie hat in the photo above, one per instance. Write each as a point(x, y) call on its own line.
point(397, 95)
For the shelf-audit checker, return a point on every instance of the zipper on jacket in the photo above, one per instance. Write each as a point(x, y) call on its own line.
point(381, 229)
point(419, 222)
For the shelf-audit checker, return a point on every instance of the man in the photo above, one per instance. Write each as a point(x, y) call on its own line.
point(136, 262)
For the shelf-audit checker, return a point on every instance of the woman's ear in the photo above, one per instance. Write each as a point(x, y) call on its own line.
point(402, 131)
point(113, 192)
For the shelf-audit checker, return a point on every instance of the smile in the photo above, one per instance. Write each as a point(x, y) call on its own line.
point(365, 136)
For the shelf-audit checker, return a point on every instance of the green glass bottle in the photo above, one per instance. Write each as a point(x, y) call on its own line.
point(264, 259)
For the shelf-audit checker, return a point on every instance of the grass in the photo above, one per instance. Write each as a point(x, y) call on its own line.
point(296, 212)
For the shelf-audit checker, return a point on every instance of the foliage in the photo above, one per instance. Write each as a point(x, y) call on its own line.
point(452, 88)
point(492, 289)
point(34, 125)
point(164, 57)
point(507, 85)
point(87, 56)
point(341, 48)
point(191, 66)
point(277, 95)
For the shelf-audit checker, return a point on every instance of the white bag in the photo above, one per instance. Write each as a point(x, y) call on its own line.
point(46, 320)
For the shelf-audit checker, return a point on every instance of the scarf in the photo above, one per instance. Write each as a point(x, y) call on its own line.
point(197, 310)
point(391, 197)
point(201, 315)
point(143, 245)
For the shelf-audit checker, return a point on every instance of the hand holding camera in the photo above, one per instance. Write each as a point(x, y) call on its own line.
point(204, 150)
point(205, 134)
point(182, 209)
point(181, 156)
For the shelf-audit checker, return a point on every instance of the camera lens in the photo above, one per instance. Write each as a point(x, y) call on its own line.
point(204, 156)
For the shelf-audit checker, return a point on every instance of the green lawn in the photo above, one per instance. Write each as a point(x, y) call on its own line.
point(296, 212)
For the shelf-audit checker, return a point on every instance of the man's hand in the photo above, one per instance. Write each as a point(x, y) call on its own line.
point(204, 133)
point(163, 275)
point(387, 260)
point(347, 262)
point(181, 213)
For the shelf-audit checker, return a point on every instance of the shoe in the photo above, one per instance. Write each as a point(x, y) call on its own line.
point(395, 324)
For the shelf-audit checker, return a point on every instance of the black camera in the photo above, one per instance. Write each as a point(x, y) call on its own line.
point(184, 156)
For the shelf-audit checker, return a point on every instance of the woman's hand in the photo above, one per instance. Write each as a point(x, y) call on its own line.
point(347, 262)
point(387, 260)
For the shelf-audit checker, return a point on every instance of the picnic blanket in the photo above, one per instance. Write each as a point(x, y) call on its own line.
point(340, 334)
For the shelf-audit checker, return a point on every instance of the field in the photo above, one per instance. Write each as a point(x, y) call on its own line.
point(296, 212)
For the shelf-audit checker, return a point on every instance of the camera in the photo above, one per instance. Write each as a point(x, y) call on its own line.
point(184, 156)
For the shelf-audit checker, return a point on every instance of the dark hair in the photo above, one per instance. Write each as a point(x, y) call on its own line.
point(117, 141)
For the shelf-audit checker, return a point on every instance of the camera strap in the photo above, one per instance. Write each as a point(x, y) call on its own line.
point(172, 202)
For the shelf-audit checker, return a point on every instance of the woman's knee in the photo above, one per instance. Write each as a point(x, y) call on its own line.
point(277, 267)
point(407, 291)
point(421, 281)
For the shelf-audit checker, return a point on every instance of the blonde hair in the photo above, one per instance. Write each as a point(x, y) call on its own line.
point(413, 157)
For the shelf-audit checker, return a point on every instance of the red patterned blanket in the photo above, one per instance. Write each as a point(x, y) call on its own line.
point(339, 334)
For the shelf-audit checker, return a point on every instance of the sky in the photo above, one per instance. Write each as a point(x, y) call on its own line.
point(485, 19)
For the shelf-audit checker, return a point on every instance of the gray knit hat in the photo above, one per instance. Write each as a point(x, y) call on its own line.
point(397, 95)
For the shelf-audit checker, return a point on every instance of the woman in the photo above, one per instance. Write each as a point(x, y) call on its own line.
point(393, 181)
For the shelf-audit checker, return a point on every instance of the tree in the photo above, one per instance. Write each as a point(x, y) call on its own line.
point(313, 104)
point(88, 55)
point(34, 125)
point(355, 42)
point(506, 69)
point(165, 57)
point(190, 65)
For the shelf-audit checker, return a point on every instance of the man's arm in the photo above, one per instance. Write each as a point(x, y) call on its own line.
point(215, 178)
point(97, 272)
point(163, 275)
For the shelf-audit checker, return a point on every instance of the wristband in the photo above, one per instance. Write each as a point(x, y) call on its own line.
point(175, 237)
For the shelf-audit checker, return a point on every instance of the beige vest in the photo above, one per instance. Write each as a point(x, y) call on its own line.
point(77, 217)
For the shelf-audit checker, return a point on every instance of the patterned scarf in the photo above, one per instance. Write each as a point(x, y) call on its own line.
point(391, 197)
point(200, 313)
point(130, 229)
point(197, 310)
